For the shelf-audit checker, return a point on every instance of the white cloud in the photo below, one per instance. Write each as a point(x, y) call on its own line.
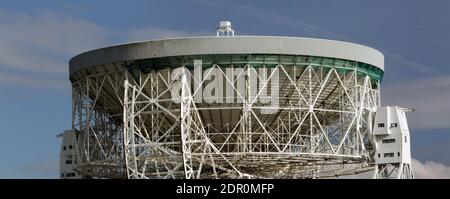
point(34, 81)
point(430, 170)
point(35, 48)
point(158, 33)
point(429, 96)
point(427, 170)
point(41, 44)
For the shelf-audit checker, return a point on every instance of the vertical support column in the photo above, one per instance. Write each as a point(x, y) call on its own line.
point(128, 132)
point(88, 122)
point(153, 95)
point(247, 109)
point(77, 118)
point(125, 127)
point(311, 109)
point(361, 104)
point(185, 127)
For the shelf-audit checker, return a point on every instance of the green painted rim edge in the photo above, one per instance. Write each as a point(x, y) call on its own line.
point(257, 60)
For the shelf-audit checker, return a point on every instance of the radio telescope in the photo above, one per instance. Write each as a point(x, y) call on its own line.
point(231, 106)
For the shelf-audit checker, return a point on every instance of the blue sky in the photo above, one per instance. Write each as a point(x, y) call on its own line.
point(37, 38)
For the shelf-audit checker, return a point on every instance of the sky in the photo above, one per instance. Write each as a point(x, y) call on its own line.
point(37, 39)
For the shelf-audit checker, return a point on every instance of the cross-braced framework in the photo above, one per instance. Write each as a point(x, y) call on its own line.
point(97, 120)
point(320, 126)
point(130, 126)
point(393, 171)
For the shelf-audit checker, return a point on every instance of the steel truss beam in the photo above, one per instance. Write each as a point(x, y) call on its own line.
point(321, 126)
point(393, 171)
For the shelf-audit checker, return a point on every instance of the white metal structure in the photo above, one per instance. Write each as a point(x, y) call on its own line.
point(67, 156)
point(226, 107)
point(225, 29)
point(392, 141)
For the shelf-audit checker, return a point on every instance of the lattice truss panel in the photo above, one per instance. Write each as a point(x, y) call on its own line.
point(97, 118)
point(131, 126)
point(393, 171)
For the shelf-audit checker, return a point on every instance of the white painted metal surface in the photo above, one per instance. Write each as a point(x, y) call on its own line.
point(68, 160)
point(225, 29)
point(393, 153)
point(226, 45)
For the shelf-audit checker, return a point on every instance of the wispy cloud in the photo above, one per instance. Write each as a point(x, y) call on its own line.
point(429, 96)
point(41, 42)
point(274, 18)
point(38, 46)
point(149, 33)
point(400, 65)
point(34, 81)
point(35, 47)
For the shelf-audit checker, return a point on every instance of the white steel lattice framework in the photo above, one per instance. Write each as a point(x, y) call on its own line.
point(256, 107)
point(97, 125)
point(393, 171)
point(130, 127)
